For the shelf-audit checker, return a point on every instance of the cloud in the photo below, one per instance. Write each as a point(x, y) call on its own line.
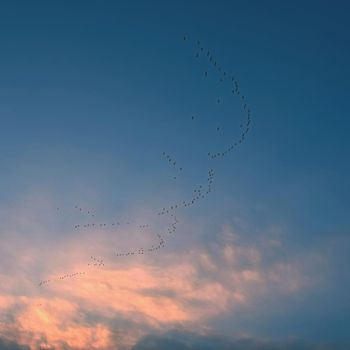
point(179, 340)
point(113, 306)
point(10, 345)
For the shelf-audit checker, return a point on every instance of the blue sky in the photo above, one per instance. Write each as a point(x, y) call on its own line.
point(93, 93)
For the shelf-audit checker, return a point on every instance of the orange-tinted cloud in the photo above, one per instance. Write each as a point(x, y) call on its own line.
point(112, 306)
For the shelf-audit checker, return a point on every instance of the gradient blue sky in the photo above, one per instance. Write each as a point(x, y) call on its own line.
point(92, 93)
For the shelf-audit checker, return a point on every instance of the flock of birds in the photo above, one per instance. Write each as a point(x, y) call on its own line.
point(172, 162)
point(197, 194)
point(62, 277)
point(104, 225)
point(235, 90)
point(200, 192)
point(95, 261)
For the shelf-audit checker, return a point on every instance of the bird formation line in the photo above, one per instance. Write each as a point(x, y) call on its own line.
point(114, 225)
point(172, 162)
point(172, 227)
point(62, 277)
point(93, 262)
point(198, 193)
point(235, 90)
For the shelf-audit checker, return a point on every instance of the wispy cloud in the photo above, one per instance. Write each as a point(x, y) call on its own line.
point(180, 340)
point(116, 304)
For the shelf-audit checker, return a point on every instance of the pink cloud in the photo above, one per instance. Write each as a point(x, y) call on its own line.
point(131, 295)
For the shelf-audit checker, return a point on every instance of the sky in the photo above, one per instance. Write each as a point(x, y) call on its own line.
point(145, 204)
